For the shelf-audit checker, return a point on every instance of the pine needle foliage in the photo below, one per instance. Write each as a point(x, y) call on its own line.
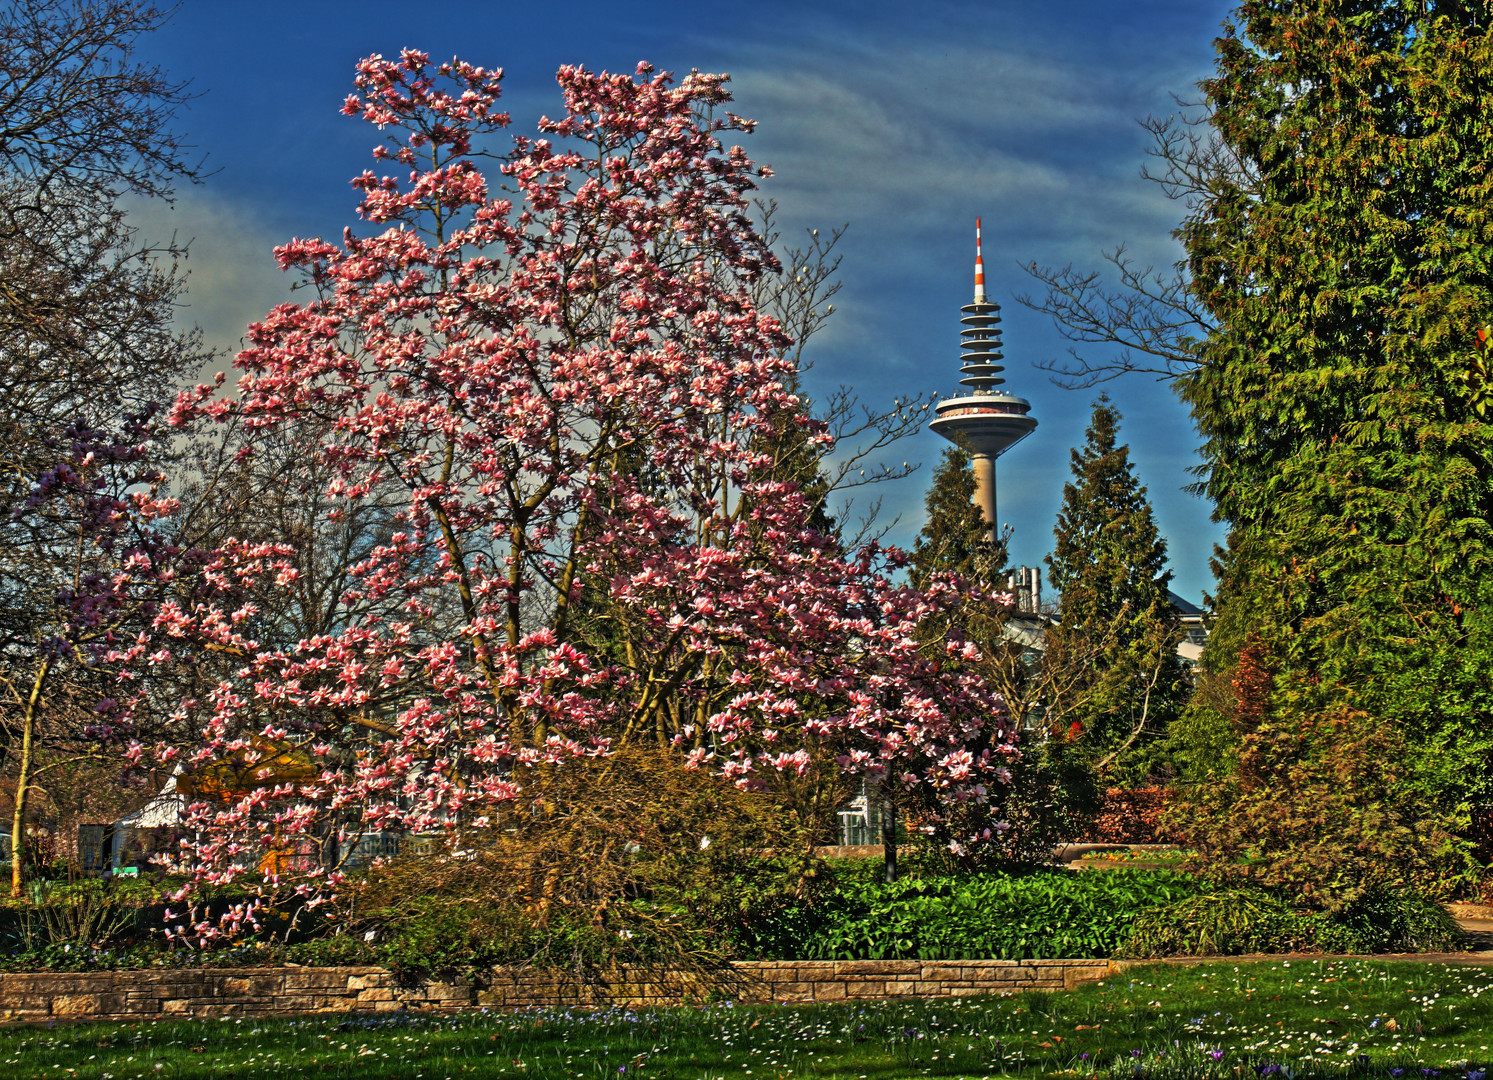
point(1341, 245)
point(955, 537)
point(1116, 630)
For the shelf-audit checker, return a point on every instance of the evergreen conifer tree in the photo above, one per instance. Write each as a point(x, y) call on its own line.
point(1116, 633)
point(955, 537)
point(1342, 255)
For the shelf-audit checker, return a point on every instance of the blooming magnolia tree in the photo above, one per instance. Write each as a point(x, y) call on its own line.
point(557, 362)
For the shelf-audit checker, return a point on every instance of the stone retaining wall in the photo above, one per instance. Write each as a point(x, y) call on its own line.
point(283, 991)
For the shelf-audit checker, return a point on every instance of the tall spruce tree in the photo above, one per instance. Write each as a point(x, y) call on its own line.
point(1116, 634)
point(955, 538)
point(1343, 256)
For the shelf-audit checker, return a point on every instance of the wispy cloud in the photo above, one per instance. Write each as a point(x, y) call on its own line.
point(232, 278)
point(897, 142)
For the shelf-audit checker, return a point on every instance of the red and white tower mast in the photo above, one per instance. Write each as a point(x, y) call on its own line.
point(986, 421)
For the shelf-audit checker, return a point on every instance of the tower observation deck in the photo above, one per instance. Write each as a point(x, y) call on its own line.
point(986, 421)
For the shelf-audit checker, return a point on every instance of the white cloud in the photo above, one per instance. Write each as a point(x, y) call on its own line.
point(900, 141)
point(232, 278)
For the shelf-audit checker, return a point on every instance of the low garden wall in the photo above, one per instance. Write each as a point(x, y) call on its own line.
point(209, 992)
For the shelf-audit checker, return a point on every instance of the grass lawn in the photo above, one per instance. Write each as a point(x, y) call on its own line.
point(1262, 1019)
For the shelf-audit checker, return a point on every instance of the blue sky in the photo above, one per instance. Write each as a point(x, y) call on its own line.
point(902, 121)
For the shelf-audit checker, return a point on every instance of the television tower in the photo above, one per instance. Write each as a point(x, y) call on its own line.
point(986, 422)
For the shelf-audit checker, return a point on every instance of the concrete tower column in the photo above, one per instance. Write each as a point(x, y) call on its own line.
point(984, 469)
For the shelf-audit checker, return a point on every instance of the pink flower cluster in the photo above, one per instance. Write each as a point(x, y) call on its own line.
point(573, 397)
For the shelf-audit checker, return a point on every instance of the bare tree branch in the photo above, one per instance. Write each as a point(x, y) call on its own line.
point(1152, 317)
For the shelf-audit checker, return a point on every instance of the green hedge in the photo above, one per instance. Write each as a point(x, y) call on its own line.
point(844, 914)
point(1041, 915)
point(1238, 921)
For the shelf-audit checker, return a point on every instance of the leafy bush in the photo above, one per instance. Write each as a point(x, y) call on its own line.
point(1214, 924)
point(1246, 920)
point(1129, 816)
point(1401, 920)
point(1318, 806)
point(1052, 798)
point(79, 916)
point(1043, 915)
point(630, 861)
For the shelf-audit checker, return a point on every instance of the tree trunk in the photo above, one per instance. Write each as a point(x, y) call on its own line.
point(889, 836)
point(23, 778)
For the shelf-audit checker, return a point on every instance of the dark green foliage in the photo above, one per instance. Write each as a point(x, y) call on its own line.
point(1402, 920)
point(1340, 242)
point(955, 538)
point(1314, 806)
point(1052, 799)
point(1117, 683)
point(1226, 923)
point(1240, 921)
point(1043, 915)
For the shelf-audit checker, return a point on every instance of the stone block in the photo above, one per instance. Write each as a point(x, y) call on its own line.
point(25, 1014)
point(76, 1005)
point(884, 968)
point(816, 969)
point(1013, 975)
point(793, 990)
point(115, 1003)
point(865, 989)
point(829, 991)
point(448, 992)
point(174, 989)
point(254, 986)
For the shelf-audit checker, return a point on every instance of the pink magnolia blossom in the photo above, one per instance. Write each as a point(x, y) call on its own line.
point(558, 364)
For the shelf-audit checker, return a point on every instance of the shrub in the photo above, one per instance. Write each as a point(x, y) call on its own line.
point(1214, 924)
point(627, 860)
point(1129, 816)
point(1318, 807)
point(1247, 920)
point(1402, 920)
point(1043, 915)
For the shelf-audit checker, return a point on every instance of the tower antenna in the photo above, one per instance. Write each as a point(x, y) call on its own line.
point(979, 267)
